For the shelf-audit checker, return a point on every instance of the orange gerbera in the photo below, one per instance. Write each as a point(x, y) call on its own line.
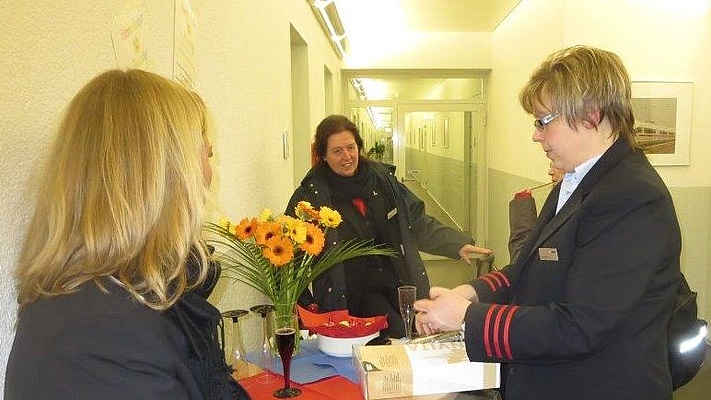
point(314, 240)
point(246, 228)
point(278, 250)
point(267, 230)
point(305, 211)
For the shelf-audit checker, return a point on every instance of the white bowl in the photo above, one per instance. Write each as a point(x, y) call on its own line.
point(342, 347)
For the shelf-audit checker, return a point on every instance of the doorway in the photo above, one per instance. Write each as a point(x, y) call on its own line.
point(432, 127)
point(438, 147)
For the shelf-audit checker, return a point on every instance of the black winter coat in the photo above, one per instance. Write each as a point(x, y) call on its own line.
point(416, 231)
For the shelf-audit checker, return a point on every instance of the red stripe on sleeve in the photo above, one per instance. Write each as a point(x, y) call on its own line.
point(503, 277)
point(507, 326)
point(497, 331)
point(487, 321)
point(499, 283)
point(489, 282)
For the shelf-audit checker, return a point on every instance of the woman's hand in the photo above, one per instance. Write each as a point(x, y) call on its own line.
point(469, 251)
point(443, 311)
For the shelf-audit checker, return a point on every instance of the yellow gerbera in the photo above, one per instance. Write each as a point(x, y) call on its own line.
point(267, 230)
point(305, 211)
point(329, 218)
point(313, 244)
point(296, 230)
point(224, 222)
point(246, 228)
point(278, 250)
point(266, 215)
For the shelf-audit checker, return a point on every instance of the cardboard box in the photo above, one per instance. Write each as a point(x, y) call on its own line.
point(419, 369)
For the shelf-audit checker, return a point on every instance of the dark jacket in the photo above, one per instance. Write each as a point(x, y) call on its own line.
point(95, 345)
point(582, 313)
point(522, 216)
point(416, 231)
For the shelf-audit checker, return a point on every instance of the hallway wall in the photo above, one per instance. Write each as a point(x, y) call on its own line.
point(51, 49)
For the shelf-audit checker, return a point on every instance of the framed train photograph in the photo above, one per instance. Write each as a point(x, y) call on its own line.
point(663, 120)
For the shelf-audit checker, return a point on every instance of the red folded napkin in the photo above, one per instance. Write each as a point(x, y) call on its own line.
point(340, 324)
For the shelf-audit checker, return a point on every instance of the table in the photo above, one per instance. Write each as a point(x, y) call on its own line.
point(339, 388)
point(329, 387)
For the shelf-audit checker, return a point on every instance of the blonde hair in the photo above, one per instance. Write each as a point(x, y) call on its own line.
point(123, 192)
point(580, 80)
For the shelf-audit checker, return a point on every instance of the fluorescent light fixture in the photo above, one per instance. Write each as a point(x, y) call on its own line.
point(328, 18)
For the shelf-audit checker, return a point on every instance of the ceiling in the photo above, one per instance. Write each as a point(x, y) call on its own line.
point(456, 15)
point(425, 15)
point(363, 17)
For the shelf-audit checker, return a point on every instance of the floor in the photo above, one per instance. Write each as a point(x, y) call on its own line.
point(449, 273)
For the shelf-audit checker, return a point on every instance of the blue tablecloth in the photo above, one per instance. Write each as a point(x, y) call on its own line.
point(311, 364)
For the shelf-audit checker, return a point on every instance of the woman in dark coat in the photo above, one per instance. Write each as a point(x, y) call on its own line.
point(113, 278)
point(373, 204)
point(582, 311)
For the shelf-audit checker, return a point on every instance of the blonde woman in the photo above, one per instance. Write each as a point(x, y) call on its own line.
point(109, 306)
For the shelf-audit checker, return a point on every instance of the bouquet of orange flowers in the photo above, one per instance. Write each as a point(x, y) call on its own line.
point(280, 256)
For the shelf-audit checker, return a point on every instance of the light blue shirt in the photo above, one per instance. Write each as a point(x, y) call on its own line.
point(571, 180)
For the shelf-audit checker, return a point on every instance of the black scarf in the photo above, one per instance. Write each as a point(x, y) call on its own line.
point(202, 325)
point(361, 185)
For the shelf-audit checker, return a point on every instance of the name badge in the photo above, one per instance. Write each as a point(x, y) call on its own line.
point(392, 213)
point(548, 254)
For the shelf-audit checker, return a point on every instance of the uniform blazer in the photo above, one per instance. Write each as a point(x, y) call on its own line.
point(414, 229)
point(522, 216)
point(92, 345)
point(582, 312)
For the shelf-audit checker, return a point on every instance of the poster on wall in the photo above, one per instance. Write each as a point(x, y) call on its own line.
point(128, 33)
point(662, 113)
point(184, 44)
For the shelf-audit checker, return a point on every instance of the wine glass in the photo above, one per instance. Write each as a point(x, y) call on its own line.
point(266, 357)
point(285, 337)
point(237, 356)
point(406, 296)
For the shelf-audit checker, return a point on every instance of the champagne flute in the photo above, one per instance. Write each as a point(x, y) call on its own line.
point(266, 357)
point(285, 335)
point(406, 296)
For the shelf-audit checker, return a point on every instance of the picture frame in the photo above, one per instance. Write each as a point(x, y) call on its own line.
point(425, 135)
point(445, 133)
point(663, 120)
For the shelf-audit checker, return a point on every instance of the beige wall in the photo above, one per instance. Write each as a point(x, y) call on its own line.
point(51, 49)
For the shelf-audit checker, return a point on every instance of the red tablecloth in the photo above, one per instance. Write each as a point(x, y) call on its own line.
point(335, 388)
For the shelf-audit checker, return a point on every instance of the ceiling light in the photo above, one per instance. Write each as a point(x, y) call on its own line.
point(328, 16)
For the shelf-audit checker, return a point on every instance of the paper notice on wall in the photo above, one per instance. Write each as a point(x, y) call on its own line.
point(184, 45)
point(128, 33)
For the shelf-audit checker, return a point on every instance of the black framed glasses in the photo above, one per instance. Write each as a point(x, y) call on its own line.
point(541, 123)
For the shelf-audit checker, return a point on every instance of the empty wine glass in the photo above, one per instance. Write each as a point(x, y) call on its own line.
point(406, 296)
point(266, 357)
point(285, 329)
point(237, 356)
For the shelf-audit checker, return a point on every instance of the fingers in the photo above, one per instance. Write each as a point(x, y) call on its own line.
point(468, 251)
point(424, 324)
point(437, 291)
point(482, 250)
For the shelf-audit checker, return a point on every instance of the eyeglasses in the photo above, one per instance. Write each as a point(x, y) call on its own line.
point(541, 123)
